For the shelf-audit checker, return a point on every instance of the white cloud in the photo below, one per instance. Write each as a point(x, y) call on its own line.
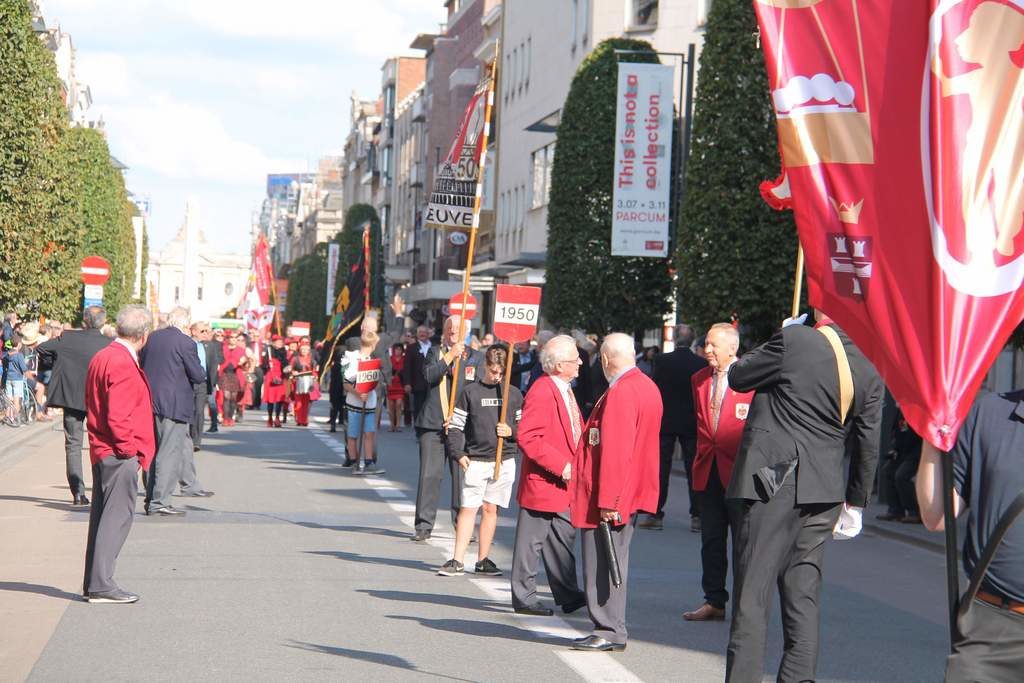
point(180, 140)
point(104, 72)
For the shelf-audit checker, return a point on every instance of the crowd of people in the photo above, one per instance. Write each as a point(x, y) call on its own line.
point(780, 446)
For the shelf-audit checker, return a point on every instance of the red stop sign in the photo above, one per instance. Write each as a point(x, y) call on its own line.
point(455, 306)
point(95, 270)
point(516, 312)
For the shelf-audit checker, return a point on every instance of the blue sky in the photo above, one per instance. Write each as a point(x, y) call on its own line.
point(205, 97)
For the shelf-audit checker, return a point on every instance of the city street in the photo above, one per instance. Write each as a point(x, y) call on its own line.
point(298, 570)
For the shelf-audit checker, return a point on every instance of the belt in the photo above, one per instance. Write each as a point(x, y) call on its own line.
point(1003, 603)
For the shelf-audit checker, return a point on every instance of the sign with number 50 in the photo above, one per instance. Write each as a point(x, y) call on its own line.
point(516, 312)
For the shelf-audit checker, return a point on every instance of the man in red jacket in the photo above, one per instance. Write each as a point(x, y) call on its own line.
point(119, 414)
point(617, 475)
point(549, 433)
point(721, 416)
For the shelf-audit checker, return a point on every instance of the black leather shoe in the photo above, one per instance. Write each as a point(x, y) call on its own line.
point(165, 511)
point(420, 536)
point(597, 644)
point(535, 610)
point(81, 499)
point(571, 607)
point(212, 430)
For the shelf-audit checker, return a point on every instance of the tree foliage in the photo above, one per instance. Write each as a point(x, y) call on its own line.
point(586, 286)
point(61, 198)
point(39, 243)
point(351, 240)
point(103, 212)
point(307, 291)
point(735, 254)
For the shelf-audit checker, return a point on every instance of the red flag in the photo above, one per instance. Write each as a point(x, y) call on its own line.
point(261, 270)
point(901, 130)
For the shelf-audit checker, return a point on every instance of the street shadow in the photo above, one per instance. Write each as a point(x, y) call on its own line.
point(49, 503)
point(378, 658)
point(365, 494)
point(38, 589)
point(485, 629)
point(418, 565)
point(443, 600)
point(373, 531)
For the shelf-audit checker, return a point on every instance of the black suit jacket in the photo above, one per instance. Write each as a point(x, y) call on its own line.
point(412, 371)
point(518, 368)
point(672, 373)
point(214, 357)
point(434, 370)
point(69, 356)
point(170, 360)
point(794, 417)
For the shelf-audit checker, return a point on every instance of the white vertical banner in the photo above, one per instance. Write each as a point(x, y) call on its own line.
point(333, 254)
point(643, 160)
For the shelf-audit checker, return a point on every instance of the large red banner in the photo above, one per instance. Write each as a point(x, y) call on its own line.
point(261, 270)
point(900, 129)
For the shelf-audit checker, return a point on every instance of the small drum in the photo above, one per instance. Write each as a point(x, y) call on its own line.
point(304, 382)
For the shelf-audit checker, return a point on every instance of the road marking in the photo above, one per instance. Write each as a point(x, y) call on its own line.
point(594, 667)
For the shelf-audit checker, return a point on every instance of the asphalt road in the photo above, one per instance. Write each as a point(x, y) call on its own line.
point(298, 570)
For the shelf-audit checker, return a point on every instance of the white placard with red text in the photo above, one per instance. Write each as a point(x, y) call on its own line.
point(367, 375)
point(516, 312)
point(642, 176)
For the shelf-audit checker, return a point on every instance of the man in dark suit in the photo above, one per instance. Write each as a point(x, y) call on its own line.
point(432, 422)
point(201, 390)
point(672, 373)
point(815, 391)
point(214, 357)
point(121, 442)
point(69, 356)
point(171, 363)
point(412, 371)
point(522, 366)
point(549, 433)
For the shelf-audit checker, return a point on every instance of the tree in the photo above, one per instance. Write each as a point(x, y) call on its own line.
point(351, 240)
point(39, 243)
point(735, 254)
point(586, 286)
point(307, 291)
point(103, 212)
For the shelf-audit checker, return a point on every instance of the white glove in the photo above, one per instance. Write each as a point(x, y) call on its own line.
point(849, 524)
point(799, 320)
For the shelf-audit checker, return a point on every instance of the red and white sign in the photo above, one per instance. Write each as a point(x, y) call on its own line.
point(516, 312)
point(95, 270)
point(455, 306)
point(367, 375)
point(901, 130)
point(298, 328)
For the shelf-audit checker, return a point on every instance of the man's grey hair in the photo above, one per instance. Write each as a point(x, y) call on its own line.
point(730, 331)
point(684, 336)
point(618, 345)
point(134, 322)
point(555, 350)
point(94, 317)
point(179, 317)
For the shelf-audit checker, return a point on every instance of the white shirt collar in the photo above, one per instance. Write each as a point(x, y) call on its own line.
point(562, 385)
point(131, 349)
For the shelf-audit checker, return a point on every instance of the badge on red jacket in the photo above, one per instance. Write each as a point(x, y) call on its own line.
point(594, 436)
point(470, 373)
point(741, 410)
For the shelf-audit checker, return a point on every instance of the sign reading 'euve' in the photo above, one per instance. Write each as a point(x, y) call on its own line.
point(643, 158)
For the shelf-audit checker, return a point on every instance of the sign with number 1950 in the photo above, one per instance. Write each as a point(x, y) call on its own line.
point(516, 312)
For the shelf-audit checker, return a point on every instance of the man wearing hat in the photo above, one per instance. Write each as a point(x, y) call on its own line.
point(69, 356)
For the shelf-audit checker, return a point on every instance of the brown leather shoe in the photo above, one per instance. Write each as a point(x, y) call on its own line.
point(705, 612)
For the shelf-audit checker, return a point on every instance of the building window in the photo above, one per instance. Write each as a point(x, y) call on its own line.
point(575, 22)
point(177, 294)
point(229, 289)
point(540, 175)
point(586, 22)
point(199, 289)
point(529, 60)
point(643, 14)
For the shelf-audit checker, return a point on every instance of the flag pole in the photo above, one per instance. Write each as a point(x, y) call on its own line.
point(467, 273)
point(505, 380)
point(952, 571)
point(798, 285)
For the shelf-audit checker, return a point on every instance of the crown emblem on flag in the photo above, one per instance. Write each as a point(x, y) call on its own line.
point(849, 212)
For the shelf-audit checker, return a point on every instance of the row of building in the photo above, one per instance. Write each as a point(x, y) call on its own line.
point(398, 138)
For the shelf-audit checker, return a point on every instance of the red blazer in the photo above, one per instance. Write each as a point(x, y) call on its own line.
point(118, 407)
point(618, 466)
point(719, 446)
point(545, 439)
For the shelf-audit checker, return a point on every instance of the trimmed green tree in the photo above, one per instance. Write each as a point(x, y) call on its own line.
point(307, 291)
point(351, 240)
point(586, 286)
point(39, 244)
point(735, 254)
